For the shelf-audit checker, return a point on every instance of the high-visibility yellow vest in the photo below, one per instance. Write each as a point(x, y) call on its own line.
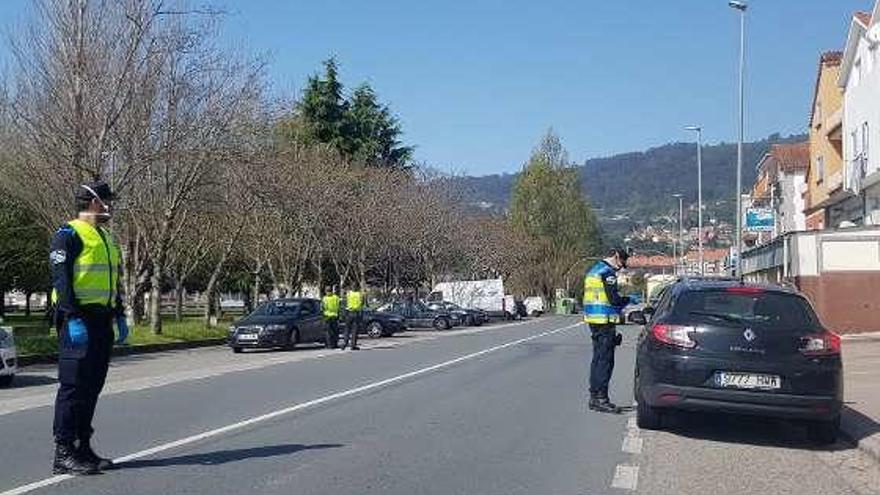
point(597, 308)
point(354, 301)
point(330, 306)
point(96, 269)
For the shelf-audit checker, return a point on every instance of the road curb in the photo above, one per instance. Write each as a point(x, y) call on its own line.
point(129, 350)
point(861, 430)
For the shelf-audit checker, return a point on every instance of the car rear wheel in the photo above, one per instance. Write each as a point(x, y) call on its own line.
point(6, 380)
point(442, 324)
point(824, 432)
point(374, 330)
point(647, 417)
point(236, 350)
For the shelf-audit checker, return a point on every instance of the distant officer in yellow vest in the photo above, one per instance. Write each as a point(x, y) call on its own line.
point(354, 310)
point(330, 307)
point(85, 266)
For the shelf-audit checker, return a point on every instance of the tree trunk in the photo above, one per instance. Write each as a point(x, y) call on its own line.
point(2, 302)
point(210, 306)
point(178, 299)
point(27, 303)
point(255, 292)
point(156, 299)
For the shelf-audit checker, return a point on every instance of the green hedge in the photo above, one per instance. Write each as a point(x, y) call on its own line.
point(38, 340)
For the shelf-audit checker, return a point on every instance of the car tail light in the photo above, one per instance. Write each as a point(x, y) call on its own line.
point(674, 335)
point(821, 344)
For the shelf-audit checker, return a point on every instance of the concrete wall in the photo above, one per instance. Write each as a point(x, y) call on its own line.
point(839, 270)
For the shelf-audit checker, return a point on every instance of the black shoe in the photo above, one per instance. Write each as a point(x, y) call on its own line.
point(605, 405)
point(355, 348)
point(67, 461)
point(86, 453)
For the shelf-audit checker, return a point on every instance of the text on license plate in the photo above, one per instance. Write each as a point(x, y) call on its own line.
point(747, 380)
point(248, 336)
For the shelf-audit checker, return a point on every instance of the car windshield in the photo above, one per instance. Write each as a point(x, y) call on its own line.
point(760, 309)
point(278, 308)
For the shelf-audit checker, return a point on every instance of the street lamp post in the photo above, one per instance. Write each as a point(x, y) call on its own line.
point(699, 131)
point(681, 252)
point(741, 6)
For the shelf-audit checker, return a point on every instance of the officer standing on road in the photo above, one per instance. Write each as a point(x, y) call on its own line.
point(354, 311)
point(602, 307)
point(85, 266)
point(330, 308)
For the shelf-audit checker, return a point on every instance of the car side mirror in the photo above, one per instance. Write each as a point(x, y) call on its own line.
point(638, 317)
point(649, 311)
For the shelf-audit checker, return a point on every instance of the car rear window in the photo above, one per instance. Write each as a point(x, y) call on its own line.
point(770, 310)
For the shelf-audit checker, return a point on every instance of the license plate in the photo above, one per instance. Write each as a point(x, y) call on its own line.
point(727, 379)
point(248, 336)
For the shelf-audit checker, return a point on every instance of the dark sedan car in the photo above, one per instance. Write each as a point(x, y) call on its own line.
point(724, 346)
point(378, 324)
point(468, 317)
point(282, 323)
point(417, 315)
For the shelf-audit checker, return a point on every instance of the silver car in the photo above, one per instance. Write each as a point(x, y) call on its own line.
point(8, 356)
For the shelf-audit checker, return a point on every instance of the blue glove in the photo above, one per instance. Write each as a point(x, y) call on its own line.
point(122, 327)
point(77, 333)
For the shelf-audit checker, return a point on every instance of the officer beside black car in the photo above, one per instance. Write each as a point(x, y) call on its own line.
point(602, 306)
point(85, 266)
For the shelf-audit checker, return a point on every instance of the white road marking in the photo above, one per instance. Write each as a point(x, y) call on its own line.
point(631, 445)
point(292, 409)
point(626, 477)
point(632, 423)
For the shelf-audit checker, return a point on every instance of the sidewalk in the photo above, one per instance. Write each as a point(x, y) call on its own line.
point(861, 415)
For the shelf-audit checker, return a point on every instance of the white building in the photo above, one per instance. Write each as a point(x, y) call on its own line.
point(860, 80)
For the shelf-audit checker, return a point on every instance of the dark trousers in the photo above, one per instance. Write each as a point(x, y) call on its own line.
point(81, 374)
point(353, 320)
point(331, 325)
point(602, 366)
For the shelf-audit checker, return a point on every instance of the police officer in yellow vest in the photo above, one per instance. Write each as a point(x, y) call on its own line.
point(602, 311)
point(85, 266)
point(330, 307)
point(354, 311)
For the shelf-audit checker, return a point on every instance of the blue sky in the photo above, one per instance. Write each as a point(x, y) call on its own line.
point(477, 82)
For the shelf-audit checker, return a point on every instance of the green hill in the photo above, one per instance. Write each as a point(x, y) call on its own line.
point(632, 188)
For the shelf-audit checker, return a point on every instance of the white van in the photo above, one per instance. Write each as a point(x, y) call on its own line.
point(8, 357)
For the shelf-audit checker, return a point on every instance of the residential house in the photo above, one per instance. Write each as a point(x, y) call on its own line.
point(779, 187)
point(860, 81)
point(713, 262)
point(824, 181)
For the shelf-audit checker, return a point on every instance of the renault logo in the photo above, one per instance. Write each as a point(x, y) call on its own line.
point(749, 335)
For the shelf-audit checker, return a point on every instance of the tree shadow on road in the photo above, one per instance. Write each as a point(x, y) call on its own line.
point(226, 456)
point(763, 432)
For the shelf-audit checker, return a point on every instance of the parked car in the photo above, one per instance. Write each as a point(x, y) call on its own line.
point(8, 357)
point(378, 324)
point(417, 315)
point(280, 323)
point(726, 347)
point(535, 305)
point(468, 317)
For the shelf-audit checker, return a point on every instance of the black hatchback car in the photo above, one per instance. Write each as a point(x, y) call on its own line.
point(730, 347)
point(280, 323)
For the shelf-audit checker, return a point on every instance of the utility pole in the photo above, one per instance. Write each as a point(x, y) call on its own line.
point(699, 131)
point(741, 6)
point(680, 228)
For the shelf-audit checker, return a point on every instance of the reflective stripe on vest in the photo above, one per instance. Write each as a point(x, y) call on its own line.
point(330, 305)
point(354, 301)
point(96, 269)
point(597, 309)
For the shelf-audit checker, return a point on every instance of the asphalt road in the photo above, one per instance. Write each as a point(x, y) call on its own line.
point(499, 411)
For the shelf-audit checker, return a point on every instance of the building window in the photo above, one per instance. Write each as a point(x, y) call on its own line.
point(820, 169)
